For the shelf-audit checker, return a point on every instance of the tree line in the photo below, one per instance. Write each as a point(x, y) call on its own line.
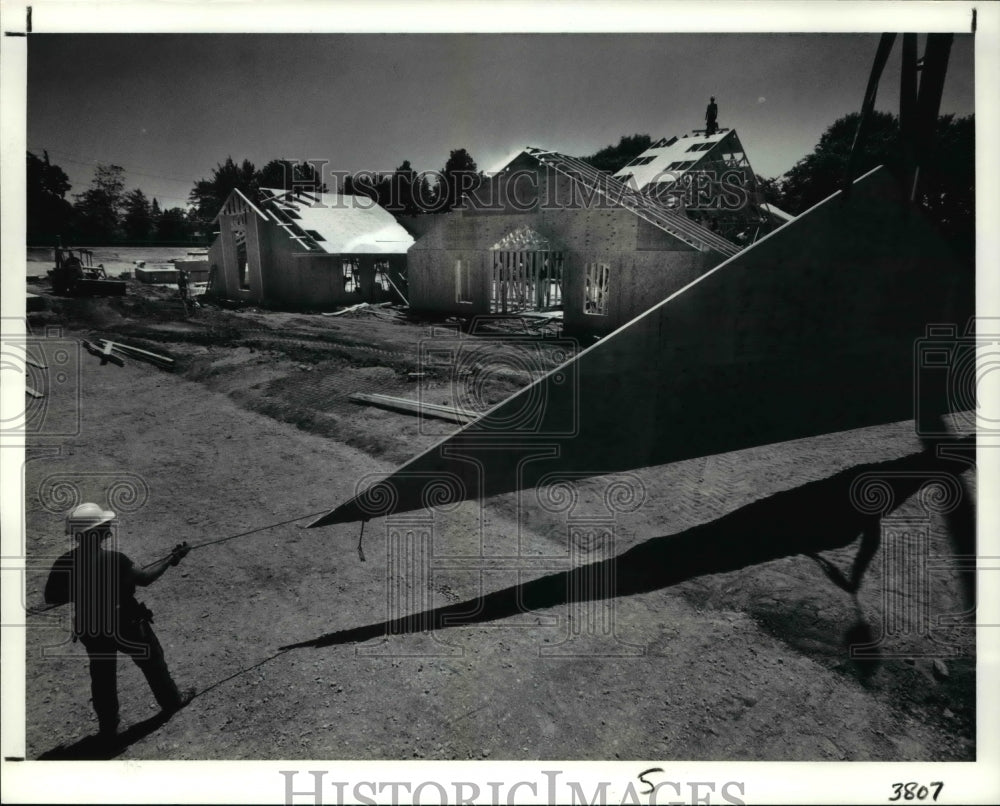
point(103, 213)
point(106, 213)
point(948, 175)
point(947, 194)
point(404, 191)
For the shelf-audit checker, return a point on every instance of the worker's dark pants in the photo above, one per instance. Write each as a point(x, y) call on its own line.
point(139, 642)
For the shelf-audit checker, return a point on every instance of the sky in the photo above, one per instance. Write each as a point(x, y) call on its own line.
point(169, 107)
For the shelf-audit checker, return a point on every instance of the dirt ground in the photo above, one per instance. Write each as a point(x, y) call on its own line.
point(254, 427)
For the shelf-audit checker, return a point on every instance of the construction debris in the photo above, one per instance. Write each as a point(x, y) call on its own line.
point(348, 309)
point(368, 307)
point(161, 275)
point(104, 354)
point(136, 352)
point(402, 404)
point(537, 320)
point(107, 350)
point(395, 288)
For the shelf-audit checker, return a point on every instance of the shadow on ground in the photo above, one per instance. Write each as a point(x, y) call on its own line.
point(815, 517)
point(98, 748)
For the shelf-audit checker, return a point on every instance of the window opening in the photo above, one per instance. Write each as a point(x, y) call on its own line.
point(596, 288)
point(463, 283)
point(352, 275)
point(242, 264)
point(526, 281)
point(382, 275)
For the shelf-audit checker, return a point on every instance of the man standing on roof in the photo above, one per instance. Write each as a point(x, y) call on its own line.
point(711, 115)
point(107, 617)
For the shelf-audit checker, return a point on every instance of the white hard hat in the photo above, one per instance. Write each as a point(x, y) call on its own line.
point(87, 516)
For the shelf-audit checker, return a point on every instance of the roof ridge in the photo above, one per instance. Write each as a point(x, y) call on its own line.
point(669, 221)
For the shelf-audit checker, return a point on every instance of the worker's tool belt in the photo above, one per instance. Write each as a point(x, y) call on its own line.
point(134, 615)
point(139, 612)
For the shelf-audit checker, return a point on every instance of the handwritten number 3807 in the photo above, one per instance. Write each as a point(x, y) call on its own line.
point(915, 791)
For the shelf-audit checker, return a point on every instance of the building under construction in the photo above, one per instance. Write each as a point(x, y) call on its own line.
point(548, 232)
point(307, 250)
point(708, 178)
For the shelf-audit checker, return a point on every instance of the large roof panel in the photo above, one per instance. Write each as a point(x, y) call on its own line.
point(676, 224)
point(337, 224)
point(667, 159)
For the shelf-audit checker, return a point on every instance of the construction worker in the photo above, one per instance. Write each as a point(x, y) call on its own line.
point(71, 263)
point(107, 617)
point(182, 284)
point(711, 117)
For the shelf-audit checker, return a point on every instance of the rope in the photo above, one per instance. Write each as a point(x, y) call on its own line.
point(257, 665)
point(241, 534)
point(361, 551)
point(34, 611)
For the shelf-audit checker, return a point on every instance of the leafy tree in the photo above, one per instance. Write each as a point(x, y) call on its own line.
point(137, 220)
point(374, 186)
point(154, 215)
point(285, 175)
point(459, 176)
point(383, 190)
point(613, 158)
point(426, 198)
point(948, 190)
point(208, 195)
point(277, 174)
point(47, 211)
point(98, 209)
point(398, 191)
point(770, 190)
point(349, 186)
point(948, 175)
point(173, 225)
point(406, 192)
point(821, 173)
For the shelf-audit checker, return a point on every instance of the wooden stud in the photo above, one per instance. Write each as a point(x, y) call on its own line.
point(407, 406)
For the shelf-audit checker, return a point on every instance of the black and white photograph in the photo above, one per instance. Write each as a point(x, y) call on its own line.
point(500, 403)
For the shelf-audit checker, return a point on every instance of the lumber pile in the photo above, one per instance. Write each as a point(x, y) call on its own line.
point(113, 351)
point(418, 407)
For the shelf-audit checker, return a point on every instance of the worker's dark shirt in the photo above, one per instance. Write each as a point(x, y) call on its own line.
point(712, 112)
point(101, 586)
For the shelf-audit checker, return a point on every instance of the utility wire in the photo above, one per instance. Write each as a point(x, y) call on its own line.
point(79, 159)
